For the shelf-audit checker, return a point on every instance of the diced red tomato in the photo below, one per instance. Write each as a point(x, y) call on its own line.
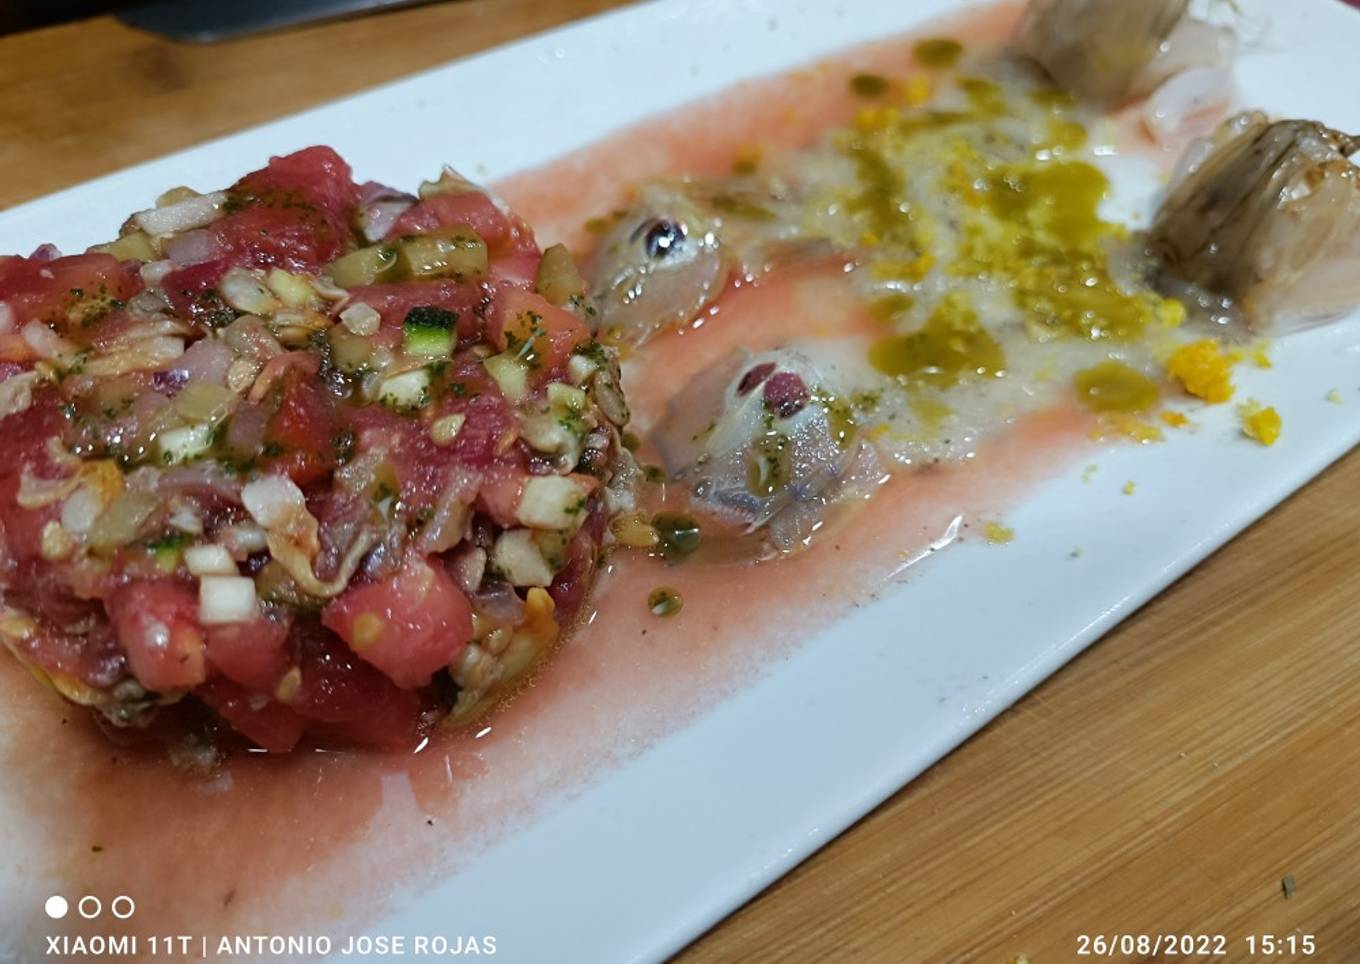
point(395, 301)
point(526, 317)
point(254, 654)
point(268, 724)
point(157, 623)
point(482, 438)
point(518, 269)
point(573, 581)
point(409, 625)
point(296, 212)
point(68, 290)
point(301, 437)
point(14, 349)
point(473, 209)
point(424, 469)
point(192, 292)
point(26, 434)
point(502, 486)
point(94, 658)
point(356, 703)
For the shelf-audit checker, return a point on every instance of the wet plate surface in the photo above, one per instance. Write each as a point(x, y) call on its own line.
point(652, 781)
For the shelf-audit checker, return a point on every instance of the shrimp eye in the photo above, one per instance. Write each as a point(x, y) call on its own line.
point(663, 236)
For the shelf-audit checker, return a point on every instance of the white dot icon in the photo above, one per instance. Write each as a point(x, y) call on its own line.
point(56, 907)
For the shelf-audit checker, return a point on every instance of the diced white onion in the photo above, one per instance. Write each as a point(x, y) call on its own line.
point(243, 539)
point(194, 247)
point(46, 343)
point(510, 375)
point(293, 290)
point(182, 444)
point(209, 559)
point(81, 509)
point(566, 398)
point(194, 212)
point(551, 502)
point(244, 291)
point(329, 289)
point(445, 429)
point(515, 555)
point(377, 217)
point(407, 390)
point(361, 319)
point(144, 354)
point(545, 432)
point(273, 501)
point(185, 519)
point(226, 599)
point(580, 368)
point(16, 393)
point(56, 541)
point(154, 272)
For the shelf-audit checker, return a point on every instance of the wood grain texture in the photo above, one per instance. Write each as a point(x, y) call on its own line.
point(1163, 782)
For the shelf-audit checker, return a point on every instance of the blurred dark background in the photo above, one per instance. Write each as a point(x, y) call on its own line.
point(195, 20)
point(23, 14)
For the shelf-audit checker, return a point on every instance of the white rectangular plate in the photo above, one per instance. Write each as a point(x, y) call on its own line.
point(656, 850)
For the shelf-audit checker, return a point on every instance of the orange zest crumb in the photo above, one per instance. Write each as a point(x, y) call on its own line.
point(997, 534)
point(1260, 355)
point(1260, 423)
point(1129, 488)
point(1203, 370)
point(917, 90)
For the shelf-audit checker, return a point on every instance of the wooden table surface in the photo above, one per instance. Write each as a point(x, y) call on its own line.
point(1164, 782)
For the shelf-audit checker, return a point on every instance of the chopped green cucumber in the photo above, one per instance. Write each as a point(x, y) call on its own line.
point(429, 332)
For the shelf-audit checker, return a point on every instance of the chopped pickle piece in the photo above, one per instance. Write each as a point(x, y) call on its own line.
point(366, 266)
point(457, 252)
point(130, 247)
point(350, 352)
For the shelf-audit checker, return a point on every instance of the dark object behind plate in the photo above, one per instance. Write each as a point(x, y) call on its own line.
point(204, 21)
point(16, 15)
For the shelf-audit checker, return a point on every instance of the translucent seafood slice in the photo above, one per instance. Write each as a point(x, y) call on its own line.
point(1269, 220)
point(1105, 50)
point(765, 443)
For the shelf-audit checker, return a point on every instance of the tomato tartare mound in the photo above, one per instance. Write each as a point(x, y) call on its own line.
point(303, 461)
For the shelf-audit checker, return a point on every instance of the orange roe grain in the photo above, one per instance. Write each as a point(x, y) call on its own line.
point(1203, 370)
